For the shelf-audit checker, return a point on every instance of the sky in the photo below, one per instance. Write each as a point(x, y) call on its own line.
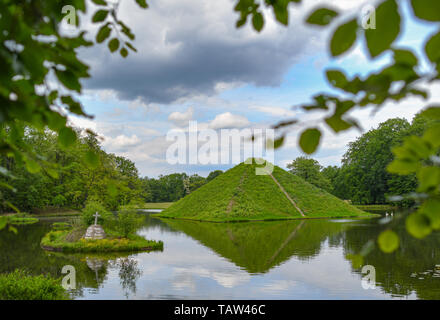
point(193, 64)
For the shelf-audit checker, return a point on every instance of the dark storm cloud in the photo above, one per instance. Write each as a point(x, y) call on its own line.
point(194, 60)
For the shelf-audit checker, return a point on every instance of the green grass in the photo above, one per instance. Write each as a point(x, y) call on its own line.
point(57, 241)
point(70, 213)
point(376, 207)
point(22, 218)
point(241, 195)
point(55, 212)
point(159, 205)
point(19, 285)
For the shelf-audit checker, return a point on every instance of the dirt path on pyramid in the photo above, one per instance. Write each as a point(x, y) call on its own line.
point(287, 195)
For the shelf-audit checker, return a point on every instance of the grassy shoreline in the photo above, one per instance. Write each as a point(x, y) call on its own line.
point(376, 207)
point(153, 205)
point(366, 216)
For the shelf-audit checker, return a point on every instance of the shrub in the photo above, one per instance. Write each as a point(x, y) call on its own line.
point(59, 201)
point(90, 209)
point(126, 222)
point(19, 285)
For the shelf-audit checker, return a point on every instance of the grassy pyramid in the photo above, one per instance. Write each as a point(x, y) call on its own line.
point(241, 195)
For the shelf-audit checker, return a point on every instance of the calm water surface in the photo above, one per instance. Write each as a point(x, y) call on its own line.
point(264, 260)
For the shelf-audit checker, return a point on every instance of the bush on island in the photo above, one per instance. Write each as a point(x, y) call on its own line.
point(93, 206)
point(126, 222)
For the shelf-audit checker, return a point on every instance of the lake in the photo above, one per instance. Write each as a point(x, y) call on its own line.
point(298, 259)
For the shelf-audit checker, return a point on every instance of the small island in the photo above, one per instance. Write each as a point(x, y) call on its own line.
point(116, 234)
point(22, 218)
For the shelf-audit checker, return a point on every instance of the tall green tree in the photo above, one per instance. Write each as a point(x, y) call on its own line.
point(310, 170)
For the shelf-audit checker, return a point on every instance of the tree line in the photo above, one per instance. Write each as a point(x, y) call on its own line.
point(363, 177)
point(82, 173)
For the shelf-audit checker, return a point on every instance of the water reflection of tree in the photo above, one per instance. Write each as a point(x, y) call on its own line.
point(129, 273)
point(393, 271)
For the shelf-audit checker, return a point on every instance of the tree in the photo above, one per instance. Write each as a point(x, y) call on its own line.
point(366, 161)
point(331, 173)
point(310, 170)
point(213, 174)
point(41, 71)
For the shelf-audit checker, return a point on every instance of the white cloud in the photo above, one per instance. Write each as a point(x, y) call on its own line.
point(274, 111)
point(229, 120)
point(121, 142)
point(181, 119)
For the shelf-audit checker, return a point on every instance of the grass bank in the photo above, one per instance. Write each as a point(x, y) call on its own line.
point(151, 205)
point(376, 207)
point(58, 240)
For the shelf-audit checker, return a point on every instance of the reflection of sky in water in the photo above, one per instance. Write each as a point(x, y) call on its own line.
point(188, 270)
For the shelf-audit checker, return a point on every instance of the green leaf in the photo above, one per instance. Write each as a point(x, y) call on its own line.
point(337, 123)
point(74, 106)
point(343, 38)
point(432, 112)
point(3, 221)
point(113, 44)
point(258, 21)
point(281, 12)
point(429, 179)
point(432, 135)
point(322, 16)
point(103, 33)
point(100, 16)
point(387, 28)
point(418, 225)
point(142, 3)
point(100, 2)
point(128, 44)
point(388, 241)
point(92, 159)
point(403, 166)
point(309, 140)
point(427, 9)
point(124, 52)
point(66, 137)
point(337, 78)
point(431, 208)
point(69, 80)
point(56, 121)
point(278, 143)
point(405, 57)
point(32, 166)
point(432, 48)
